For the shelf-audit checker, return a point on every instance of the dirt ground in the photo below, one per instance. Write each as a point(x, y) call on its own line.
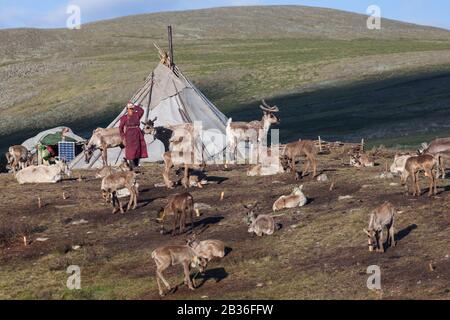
point(320, 252)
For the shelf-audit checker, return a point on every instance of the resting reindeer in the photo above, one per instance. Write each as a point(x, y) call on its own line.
point(116, 181)
point(361, 160)
point(436, 148)
point(260, 224)
point(179, 206)
point(103, 139)
point(18, 157)
point(302, 147)
point(206, 249)
point(295, 199)
point(255, 131)
point(380, 218)
point(42, 173)
point(172, 255)
point(270, 163)
point(415, 164)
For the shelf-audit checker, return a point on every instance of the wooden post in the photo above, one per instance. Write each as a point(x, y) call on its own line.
point(362, 145)
point(169, 31)
point(320, 144)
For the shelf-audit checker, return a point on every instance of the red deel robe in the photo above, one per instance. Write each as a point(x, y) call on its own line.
point(135, 146)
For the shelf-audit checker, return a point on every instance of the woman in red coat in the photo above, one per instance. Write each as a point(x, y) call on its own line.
point(135, 146)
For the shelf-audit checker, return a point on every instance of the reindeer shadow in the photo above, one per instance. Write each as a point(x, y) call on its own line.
point(218, 274)
point(216, 179)
point(207, 221)
point(405, 232)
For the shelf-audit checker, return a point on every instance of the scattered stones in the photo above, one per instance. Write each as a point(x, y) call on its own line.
point(385, 175)
point(76, 247)
point(202, 206)
point(77, 222)
point(322, 178)
point(41, 239)
point(393, 184)
point(345, 197)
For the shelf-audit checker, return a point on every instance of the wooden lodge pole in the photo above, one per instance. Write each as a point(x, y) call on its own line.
point(169, 31)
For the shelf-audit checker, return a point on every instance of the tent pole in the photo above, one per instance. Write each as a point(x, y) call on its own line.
point(150, 97)
point(169, 31)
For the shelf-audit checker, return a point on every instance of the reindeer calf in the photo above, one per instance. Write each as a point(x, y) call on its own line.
point(295, 199)
point(380, 218)
point(116, 181)
point(179, 206)
point(413, 165)
point(167, 256)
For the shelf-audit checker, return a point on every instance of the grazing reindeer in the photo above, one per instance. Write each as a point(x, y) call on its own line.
point(435, 148)
point(116, 181)
point(413, 165)
point(167, 256)
point(254, 131)
point(103, 139)
point(107, 170)
point(260, 224)
point(398, 166)
point(160, 133)
point(295, 199)
point(179, 206)
point(302, 147)
point(18, 157)
point(206, 249)
point(381, 217)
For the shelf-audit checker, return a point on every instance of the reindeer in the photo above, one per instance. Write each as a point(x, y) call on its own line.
point(183, 153)
point(260, 224)
point(254, 131)
point(435, 148)
point(398, 166)
point(178, 206)
point(172, 255)
point(107, 170)
point(18, 157)
point(206, 249)
point(270, 163)
point(360, 160)
point(295, 199)
point(42, 173)
point(302, 147)
point(160, 133)
point(103, 139)
point(381, 217)
point(413, 165)
point(116, 181)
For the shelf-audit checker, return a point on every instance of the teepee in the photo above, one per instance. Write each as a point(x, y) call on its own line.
point(173, 99)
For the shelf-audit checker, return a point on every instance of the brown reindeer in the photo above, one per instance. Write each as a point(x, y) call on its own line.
point(18, 157)
point(206, 249)
point(413, 165)
point(380, 218)
point(255, 131)
point(302, 147)
point(116, 181)
point(103, 139)
point(172, 255)
point(179, 206)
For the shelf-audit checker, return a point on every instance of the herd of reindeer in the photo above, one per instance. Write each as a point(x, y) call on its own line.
point(121, 181)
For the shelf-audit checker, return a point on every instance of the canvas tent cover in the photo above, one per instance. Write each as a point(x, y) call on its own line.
point(50, 137)
point(173, 99)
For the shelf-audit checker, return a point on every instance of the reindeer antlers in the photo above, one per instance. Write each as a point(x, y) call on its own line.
point(268, 108)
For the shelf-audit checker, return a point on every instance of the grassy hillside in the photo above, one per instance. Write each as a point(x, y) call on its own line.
point(236, 56)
